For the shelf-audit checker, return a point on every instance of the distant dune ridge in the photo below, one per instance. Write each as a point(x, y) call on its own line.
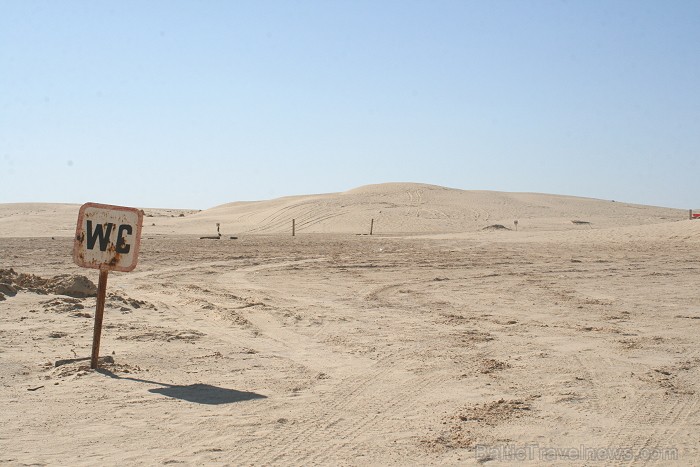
point(397, 208)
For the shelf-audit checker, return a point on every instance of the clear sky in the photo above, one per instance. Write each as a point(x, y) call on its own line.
point(192, 104)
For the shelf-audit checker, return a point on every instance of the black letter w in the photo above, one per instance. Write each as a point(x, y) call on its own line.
point(98, 233)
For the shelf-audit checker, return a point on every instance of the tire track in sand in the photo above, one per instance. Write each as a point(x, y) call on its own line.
point(379, 389)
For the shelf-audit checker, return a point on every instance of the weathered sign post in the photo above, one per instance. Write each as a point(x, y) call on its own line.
point(106, 238)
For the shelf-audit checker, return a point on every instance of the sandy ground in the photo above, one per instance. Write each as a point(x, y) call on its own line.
point(569, 346)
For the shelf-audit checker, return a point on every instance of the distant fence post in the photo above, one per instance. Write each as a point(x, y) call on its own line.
point(293, 227)
point(371, 227)
point(690, 213)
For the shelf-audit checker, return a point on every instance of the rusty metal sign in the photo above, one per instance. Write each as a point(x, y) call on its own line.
point(107, 237)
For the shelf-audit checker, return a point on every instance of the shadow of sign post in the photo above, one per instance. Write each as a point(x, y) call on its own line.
point(206, 394)
point(197, 393)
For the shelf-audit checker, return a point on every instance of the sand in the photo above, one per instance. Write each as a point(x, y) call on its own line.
point(434, 341)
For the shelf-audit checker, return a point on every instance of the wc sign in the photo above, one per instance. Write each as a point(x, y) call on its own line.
point(107, 237)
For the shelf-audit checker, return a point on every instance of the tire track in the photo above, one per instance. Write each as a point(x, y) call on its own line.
point(337, 428)
point(381, 421)
point(646, 425)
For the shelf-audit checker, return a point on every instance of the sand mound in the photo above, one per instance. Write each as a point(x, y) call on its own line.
point(496, 227)
point(73, 286)
point(65, 284)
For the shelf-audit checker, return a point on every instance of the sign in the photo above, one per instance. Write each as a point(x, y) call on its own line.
point(107, 237)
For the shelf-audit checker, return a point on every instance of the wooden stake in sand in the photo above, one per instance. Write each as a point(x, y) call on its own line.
point(293, 227)
point(106, 238)
point(371, 227)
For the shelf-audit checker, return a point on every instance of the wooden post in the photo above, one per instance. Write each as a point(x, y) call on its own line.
point(371, 227)
point(690, 213)
point(99, 313)
point(293, 227)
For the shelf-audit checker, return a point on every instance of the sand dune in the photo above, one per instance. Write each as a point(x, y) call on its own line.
point(407, 208)
point(397, 208)
point(37, 219)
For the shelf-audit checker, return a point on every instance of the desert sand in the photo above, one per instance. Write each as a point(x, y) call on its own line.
point(440, 339)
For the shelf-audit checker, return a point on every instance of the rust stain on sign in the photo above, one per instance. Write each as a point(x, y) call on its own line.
point(107, 237)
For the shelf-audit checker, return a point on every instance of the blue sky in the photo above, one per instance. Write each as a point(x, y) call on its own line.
point(197, 103)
